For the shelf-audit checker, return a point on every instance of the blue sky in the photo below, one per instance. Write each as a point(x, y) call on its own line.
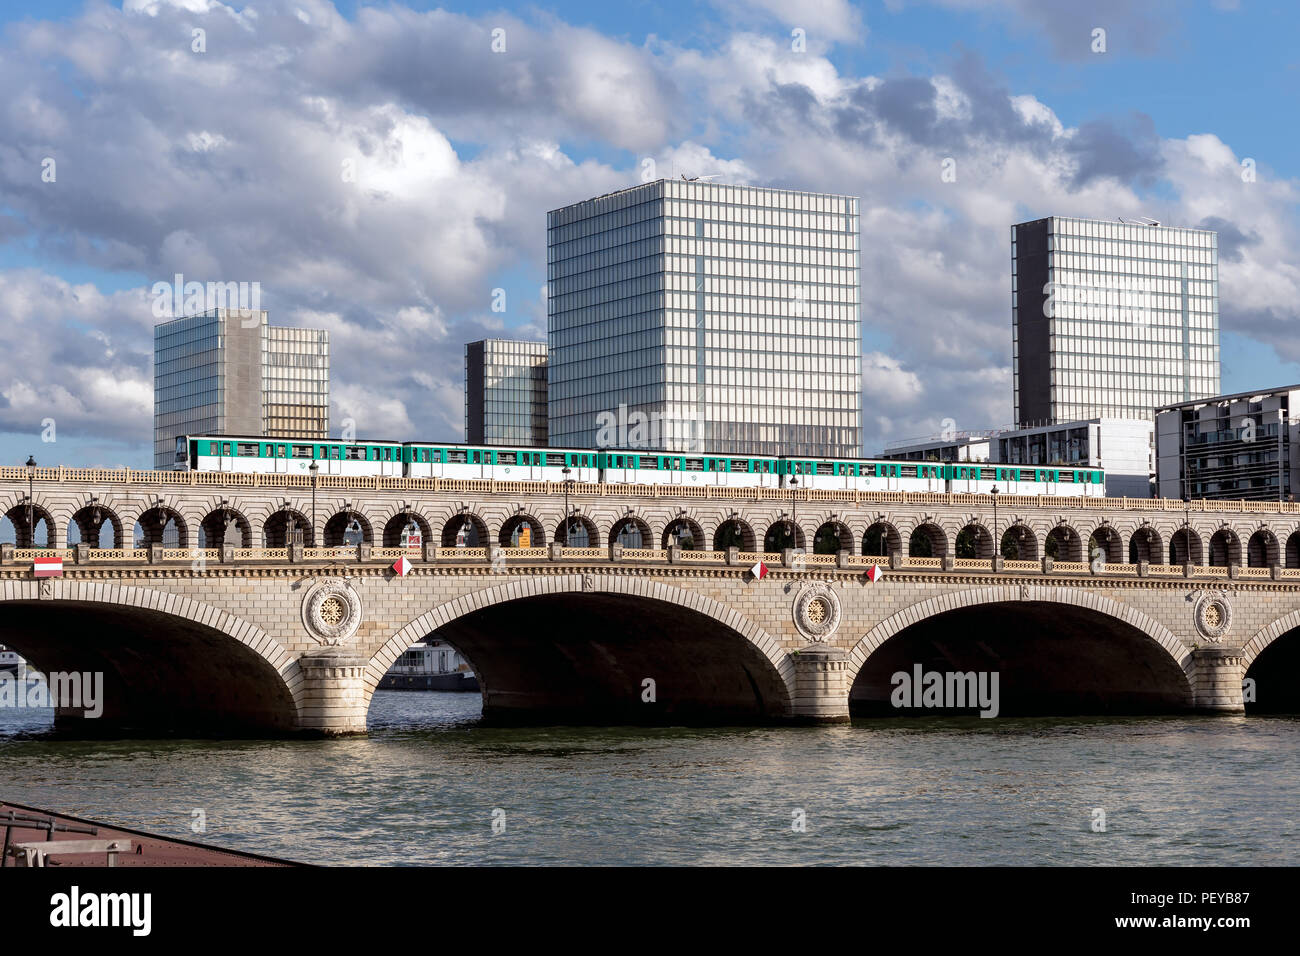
point(218, 164)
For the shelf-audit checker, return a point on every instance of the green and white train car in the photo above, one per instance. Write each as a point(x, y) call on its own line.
point(431, 460)
point(289, 456)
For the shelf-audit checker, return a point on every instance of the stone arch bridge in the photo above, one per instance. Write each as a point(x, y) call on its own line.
point(262, 621)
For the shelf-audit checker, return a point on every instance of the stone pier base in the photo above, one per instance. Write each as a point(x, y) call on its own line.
point(1216, 680)
point(333, 701)
point(821, 692)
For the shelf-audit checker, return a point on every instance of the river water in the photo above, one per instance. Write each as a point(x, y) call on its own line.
point(428, 783)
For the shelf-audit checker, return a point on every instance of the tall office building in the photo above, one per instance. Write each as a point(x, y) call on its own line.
point(505, 393)
point(696, 316)
point(229, 372)
point(1111, 319)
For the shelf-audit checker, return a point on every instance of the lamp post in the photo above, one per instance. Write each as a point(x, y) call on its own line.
point(31, 477)
point(314, 468)
point(997, 542)
point(1187, 528)
point(794, 512)
point(568, 484)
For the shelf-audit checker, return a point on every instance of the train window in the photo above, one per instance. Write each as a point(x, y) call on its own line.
point(692, 464)
point(302, 451)
point(247, 449)
point(507, 458)
point(225, 448)
point(280, 451)
point(356, 453)
point(456, 456)
point(825, 468)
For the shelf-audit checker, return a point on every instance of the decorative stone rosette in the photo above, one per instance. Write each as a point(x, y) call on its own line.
point(1213, 615)
point(331, 612)
point(817, 612)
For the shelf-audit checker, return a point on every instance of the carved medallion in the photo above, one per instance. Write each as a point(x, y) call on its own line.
point(817, 611)
point(1213, 615)
point(331, 612)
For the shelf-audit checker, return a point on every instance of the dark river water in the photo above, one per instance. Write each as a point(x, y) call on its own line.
point(427, 783)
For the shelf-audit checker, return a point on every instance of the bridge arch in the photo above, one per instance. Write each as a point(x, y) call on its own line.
point(514, 525)
point(599, 669)
point(1019, 539)
point(1271, 659)
point(1108, 541)
point(25, 537)
point(1063, 544)
point(215, 525)
point(927, 540)
point(1160, 661)
point(881, 539)
point(396, 523)
point(784, 533)
point(580, 527)
point(169, 663)
point(1263, 551)
point(340, 523)
point(1225, 548)
point(1144, 545)
point(832, 537)
point(279, 523)
point(1185, 547)
point(474, 528)
point(974, 541)
point(90, 521)
point(734, 533)
point(153, 522)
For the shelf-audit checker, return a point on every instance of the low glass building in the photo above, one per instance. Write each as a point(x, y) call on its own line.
point(505, 392)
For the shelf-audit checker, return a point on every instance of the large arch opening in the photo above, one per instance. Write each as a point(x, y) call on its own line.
point(464, 530)
point(631, 532)
point(347, 528)
point(578, 531)
point(225, 526)
point(1144, 545)
point(1225, 548)
point(1049, 658)
point(153, 673)
point(522, 531)
point(734, 533)
point(1262, 551)
point(282, 524)
point(974, 542)
point(783, 534)
point(881, 540)
point(97, 527)
point(399, 524)
point(927, 541)
point(16, 529)
point(1270, 685)
point(1063, 544)
point(832, 538)
point(1185, 547)
point(1019, 543)
point(592, 657)
point(161, 525)
point(1106, 540)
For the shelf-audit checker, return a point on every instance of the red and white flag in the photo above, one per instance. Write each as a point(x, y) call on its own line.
point(47, 567)
point(402, 567)
point(874, 573)
point(759, 571)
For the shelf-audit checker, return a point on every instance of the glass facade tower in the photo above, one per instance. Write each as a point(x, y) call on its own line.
point(228, 372)
point(505, 393)
point(1111, 319)
point(695, 316)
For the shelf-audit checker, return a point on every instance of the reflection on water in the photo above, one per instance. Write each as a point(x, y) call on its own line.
point(423, 786)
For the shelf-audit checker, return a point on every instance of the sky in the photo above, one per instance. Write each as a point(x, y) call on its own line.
point(380, 170)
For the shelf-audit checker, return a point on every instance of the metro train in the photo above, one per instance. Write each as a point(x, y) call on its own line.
point(423, 460)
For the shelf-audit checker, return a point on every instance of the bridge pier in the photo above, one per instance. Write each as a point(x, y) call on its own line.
point(1216, 680)
point(333, 701)
point(821, 691)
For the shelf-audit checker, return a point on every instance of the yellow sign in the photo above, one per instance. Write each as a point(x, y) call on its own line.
point(525, 537)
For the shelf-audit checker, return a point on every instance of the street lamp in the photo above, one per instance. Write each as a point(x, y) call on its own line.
point(997, 543)
point(1187, 529)
point(314, 468)
point(568, 483)
point(794, 511)
point(31, 477)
